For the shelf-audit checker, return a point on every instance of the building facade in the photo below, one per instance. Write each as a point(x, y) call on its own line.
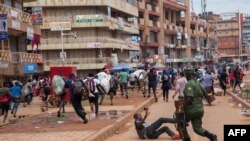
point(229, 32)
point(246, 33)
point(99, 33)
point(17, 30)
point(169, 32)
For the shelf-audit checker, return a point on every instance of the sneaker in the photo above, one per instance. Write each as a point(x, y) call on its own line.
point(213, 138)
point(85, 121)
point(91, 95)
point(175, 137)
point(93, 115)
point(58, 114)
point(156, 99)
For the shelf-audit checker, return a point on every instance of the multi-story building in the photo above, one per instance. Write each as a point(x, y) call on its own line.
point(16, 25)
point(246, 33)
point(228, 32)
point(169, 32)
point(97, 32)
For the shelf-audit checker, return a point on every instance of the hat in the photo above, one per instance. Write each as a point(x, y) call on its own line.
point(189, 71)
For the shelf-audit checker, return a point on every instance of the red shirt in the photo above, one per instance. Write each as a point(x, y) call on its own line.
point(4, 98)
point(231, 76)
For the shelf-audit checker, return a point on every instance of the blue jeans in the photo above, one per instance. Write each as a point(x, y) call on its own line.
point(16, 102)
point(153, 131)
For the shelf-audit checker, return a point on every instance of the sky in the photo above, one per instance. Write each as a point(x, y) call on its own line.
point(224, 6)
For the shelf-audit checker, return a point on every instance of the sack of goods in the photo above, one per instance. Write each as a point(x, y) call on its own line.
point(104, 87)
point(58, 85)
point(218, 91)
point(25, 90)
point(4, 91)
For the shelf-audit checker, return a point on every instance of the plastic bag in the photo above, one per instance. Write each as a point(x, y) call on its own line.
point(58, 85)
point(25, 90)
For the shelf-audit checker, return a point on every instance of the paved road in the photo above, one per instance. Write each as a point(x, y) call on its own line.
point(222, 112)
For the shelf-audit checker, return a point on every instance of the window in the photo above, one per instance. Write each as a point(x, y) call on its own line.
point(18, 5)
point(226, 25)
point(8, 2)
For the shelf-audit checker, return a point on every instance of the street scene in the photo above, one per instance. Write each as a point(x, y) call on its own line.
point(127, 70)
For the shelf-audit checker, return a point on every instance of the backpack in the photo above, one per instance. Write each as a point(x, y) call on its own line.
point(91, 85)
point(77, 87)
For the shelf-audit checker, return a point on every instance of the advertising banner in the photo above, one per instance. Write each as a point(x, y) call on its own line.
point(37, 15)
point(30, 68)
point(58, 26)
point(30, 33)
point(3, 27)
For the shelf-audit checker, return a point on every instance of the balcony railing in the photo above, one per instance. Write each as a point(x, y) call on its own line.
point(120, 5)
point(16, 14)
point(20, 57)
point(80, 63)
point(105, 21)
point(85, 43)
point(76, 61)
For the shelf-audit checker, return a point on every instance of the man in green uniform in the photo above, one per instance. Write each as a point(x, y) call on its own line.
point(193, 106)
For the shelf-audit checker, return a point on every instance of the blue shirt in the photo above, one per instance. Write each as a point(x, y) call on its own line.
point(207, 80)
point(16, 91)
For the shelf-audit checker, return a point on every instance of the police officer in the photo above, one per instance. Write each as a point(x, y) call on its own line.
point(193, 106)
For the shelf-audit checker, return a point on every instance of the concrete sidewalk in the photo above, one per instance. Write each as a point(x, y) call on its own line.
point(86, 135)
point(216, 116)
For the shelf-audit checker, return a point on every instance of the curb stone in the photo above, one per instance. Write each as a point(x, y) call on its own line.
point(239, 100)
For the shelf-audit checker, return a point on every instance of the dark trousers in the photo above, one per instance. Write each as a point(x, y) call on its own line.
point(165, 93)
point(28, 98)
point(77, 105)
point(124, 86)
point(223, 86)
point(153, 131)
point(95, 101)
point(153, 86)
point(196, 120)
point(237, 82)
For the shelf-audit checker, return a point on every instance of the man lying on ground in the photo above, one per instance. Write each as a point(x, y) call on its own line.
point(153, 131)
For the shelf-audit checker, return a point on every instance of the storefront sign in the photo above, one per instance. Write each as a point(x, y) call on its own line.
point(30, 68)
point(30, 33)
point(16, 24)
point(4, 65)
point(95, 45)
point(89, 18)
point(3, 27)
point(58, 26)
point(37, 17)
